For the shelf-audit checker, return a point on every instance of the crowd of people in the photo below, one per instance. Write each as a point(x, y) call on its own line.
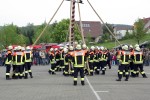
point(71, 60)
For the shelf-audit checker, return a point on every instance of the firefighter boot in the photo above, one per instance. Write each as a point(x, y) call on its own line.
point(30, 73)
point(91, 73)
point(127, 77)
point(118, 79)
point(103, 72)
point(75, 83)
point(26, 76)
point(7, 77)
point(82, 83)
point(49, 71)
point(144, 75)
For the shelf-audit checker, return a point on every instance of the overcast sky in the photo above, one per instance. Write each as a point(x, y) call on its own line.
point(21, 12)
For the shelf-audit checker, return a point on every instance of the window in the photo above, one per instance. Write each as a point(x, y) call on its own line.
point(85, 25)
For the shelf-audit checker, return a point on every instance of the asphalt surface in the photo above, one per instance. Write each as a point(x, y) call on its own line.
point(44, 86)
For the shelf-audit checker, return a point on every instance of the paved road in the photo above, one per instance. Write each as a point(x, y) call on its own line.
point(57, 87)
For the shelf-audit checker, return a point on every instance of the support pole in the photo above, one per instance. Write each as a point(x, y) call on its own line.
point(48, 23)
point(103, 22)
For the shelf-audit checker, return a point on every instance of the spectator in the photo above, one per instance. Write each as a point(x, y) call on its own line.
point(1, 63)
point(113, 60)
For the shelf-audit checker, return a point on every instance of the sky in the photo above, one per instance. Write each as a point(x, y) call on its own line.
point(22, 12)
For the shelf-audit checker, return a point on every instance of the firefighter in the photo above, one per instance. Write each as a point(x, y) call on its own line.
point(19, 61)
point(52, 62)
point(131, 61)
point(91, 57)
point(109, 59)
point(57, 57)
point(103, 60)
point(86, 68)
point(66, 62)
point(61, 58)
point(78, 63)
point(23, 66)
point(124, 63)
point(28, 62)
point(138, 59)
point(14, 62)
point(70, 53)
point(118, 53)
point(8, 62)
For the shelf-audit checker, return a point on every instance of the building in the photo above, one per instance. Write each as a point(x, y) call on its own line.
point(91, 28)
point(121, 29)
point(147, 24)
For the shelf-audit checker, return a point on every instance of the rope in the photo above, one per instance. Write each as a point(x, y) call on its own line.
point(81, 24)
point(103, 22)
point(70, 23)
point(48, 23)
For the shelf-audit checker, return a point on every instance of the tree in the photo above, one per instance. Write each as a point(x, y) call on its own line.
point(139, 30)
point(88, 39)
point(106, 34)
point(28, 31)
point(61, 30)
point(127, 35)
point(9, 36)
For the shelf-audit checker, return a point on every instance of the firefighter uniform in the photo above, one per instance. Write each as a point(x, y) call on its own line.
point(19, 61)
point(28, 62)
point(108, 60)
point(57, 57)
point(52, 61)
point(103, 61)
point(70, 54)
point(131, 62)
point(78, 63)
point(138, 63)
point(66, 62)
point(62, 59)
point(91, 61)
point(124, 63)
point(8, 62)
point(14, 62)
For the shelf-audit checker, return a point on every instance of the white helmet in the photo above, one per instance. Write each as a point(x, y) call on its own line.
point(23, 48)
point(19, 48)
point(137, 49)
point(92, 47)
point(71, 48)
point(131, 46)
point(51, 49)
point(28, 48)
point(10, 47)
point(136, 45)
point(15, 48)
point(125, 47)
point(102, 48)
point(65, 50)
point(76, 43)
point(65, 46)
point(84, 46)
point(61, 48)
point(78, 47)
point(56, 49)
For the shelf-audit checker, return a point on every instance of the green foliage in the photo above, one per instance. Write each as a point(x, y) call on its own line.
point(128, 35)
point(88, 38)
point(139, 30)
point(9, 36)
point(28, 31)
point(106, 34)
